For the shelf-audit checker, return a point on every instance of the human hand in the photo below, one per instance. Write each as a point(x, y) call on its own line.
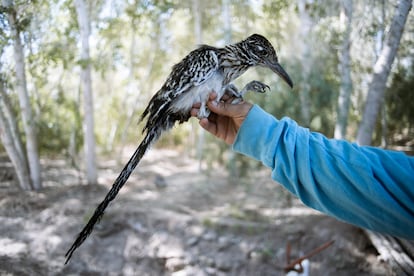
point(225, 118)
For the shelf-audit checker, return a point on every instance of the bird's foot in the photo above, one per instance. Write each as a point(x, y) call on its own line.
point(232, 91)
point(204, 112)
point(255, 86)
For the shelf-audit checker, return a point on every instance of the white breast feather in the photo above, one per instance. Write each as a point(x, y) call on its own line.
point(199, 94)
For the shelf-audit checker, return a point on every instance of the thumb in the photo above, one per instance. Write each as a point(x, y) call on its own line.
point(228, 109)
point(224, 108)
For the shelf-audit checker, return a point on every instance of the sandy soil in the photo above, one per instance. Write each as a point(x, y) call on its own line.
point(171, 220)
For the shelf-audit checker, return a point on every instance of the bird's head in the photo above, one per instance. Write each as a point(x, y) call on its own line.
point(262, 53)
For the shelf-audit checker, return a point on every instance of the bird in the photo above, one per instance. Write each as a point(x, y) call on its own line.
point(190, 81)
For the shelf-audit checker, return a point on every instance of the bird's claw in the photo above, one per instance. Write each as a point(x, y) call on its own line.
point(234, 93)
point(204, 112)
point(257, 86)
point(232, 90)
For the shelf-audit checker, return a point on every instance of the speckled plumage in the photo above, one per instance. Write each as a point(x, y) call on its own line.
point(203, 70)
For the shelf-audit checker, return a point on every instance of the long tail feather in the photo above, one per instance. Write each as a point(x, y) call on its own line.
point(150, 137)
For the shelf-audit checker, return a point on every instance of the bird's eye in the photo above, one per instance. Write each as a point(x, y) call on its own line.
point(261, 51)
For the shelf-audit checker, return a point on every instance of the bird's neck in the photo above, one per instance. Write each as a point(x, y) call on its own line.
point(234, 62)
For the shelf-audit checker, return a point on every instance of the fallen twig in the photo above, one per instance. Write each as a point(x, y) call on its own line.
point(291, 265)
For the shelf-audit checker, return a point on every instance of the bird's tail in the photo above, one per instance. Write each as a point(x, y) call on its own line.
point(150, 138)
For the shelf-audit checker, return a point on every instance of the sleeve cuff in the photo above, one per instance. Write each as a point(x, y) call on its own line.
point(258, 136)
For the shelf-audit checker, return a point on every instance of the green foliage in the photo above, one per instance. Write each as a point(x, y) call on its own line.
point(276, 8)
point(59, 121)
point(135, 43)
point(399, 104)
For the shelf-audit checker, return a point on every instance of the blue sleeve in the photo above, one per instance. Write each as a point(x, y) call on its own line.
point(366, 186)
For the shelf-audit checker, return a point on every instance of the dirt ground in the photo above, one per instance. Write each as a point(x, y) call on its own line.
point(170, 219)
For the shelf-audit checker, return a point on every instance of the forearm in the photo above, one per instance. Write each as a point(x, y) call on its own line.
point(365, 186)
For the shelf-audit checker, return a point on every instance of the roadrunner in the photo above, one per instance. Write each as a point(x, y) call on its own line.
point(204, 70)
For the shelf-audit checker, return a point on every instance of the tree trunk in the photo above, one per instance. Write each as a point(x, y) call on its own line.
point(86, 83)
point(396, 253)
point(10, 120)
point(226, 13)
point(12, 143)
point(26, 109)
point(227, 34)
point(304, 95)
point(198, 17)
point(381, 72)
point(144, 85)
point(345, 88)
point(379, 44)
point(198, 34)
point(131, 91)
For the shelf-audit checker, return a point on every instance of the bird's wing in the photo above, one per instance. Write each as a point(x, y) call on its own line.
point(195, 69)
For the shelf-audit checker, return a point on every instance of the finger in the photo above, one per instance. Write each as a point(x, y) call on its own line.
point(212, 117)
point(196, 105)
point(228, 99)
point(194, 112)
point(225, 97)
point(208, 125)
point(212, 96)
point(224, 108)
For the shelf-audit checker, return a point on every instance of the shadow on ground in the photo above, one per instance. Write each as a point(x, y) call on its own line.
point(171, 220)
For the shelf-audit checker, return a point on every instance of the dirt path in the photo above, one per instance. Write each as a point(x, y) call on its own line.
point(172, 220)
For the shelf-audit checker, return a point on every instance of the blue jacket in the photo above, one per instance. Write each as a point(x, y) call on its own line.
point(366, 186)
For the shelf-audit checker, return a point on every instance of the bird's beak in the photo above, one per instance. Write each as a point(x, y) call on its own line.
point(278, 69)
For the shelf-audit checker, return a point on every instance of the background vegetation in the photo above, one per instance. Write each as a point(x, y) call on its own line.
point(134, 44)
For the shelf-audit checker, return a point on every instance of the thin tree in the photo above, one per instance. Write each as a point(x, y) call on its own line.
point(381, 72)
point(378, 47)
point(86, 83)
point(10, 138)
point(11, 122)
point(198, 34)
point(24, 101)
point(305, 30)
point(345, 88)
point(143, 83)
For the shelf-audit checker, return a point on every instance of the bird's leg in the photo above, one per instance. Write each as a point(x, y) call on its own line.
point(232, 91)
point(204, 111)
point(255, 86)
